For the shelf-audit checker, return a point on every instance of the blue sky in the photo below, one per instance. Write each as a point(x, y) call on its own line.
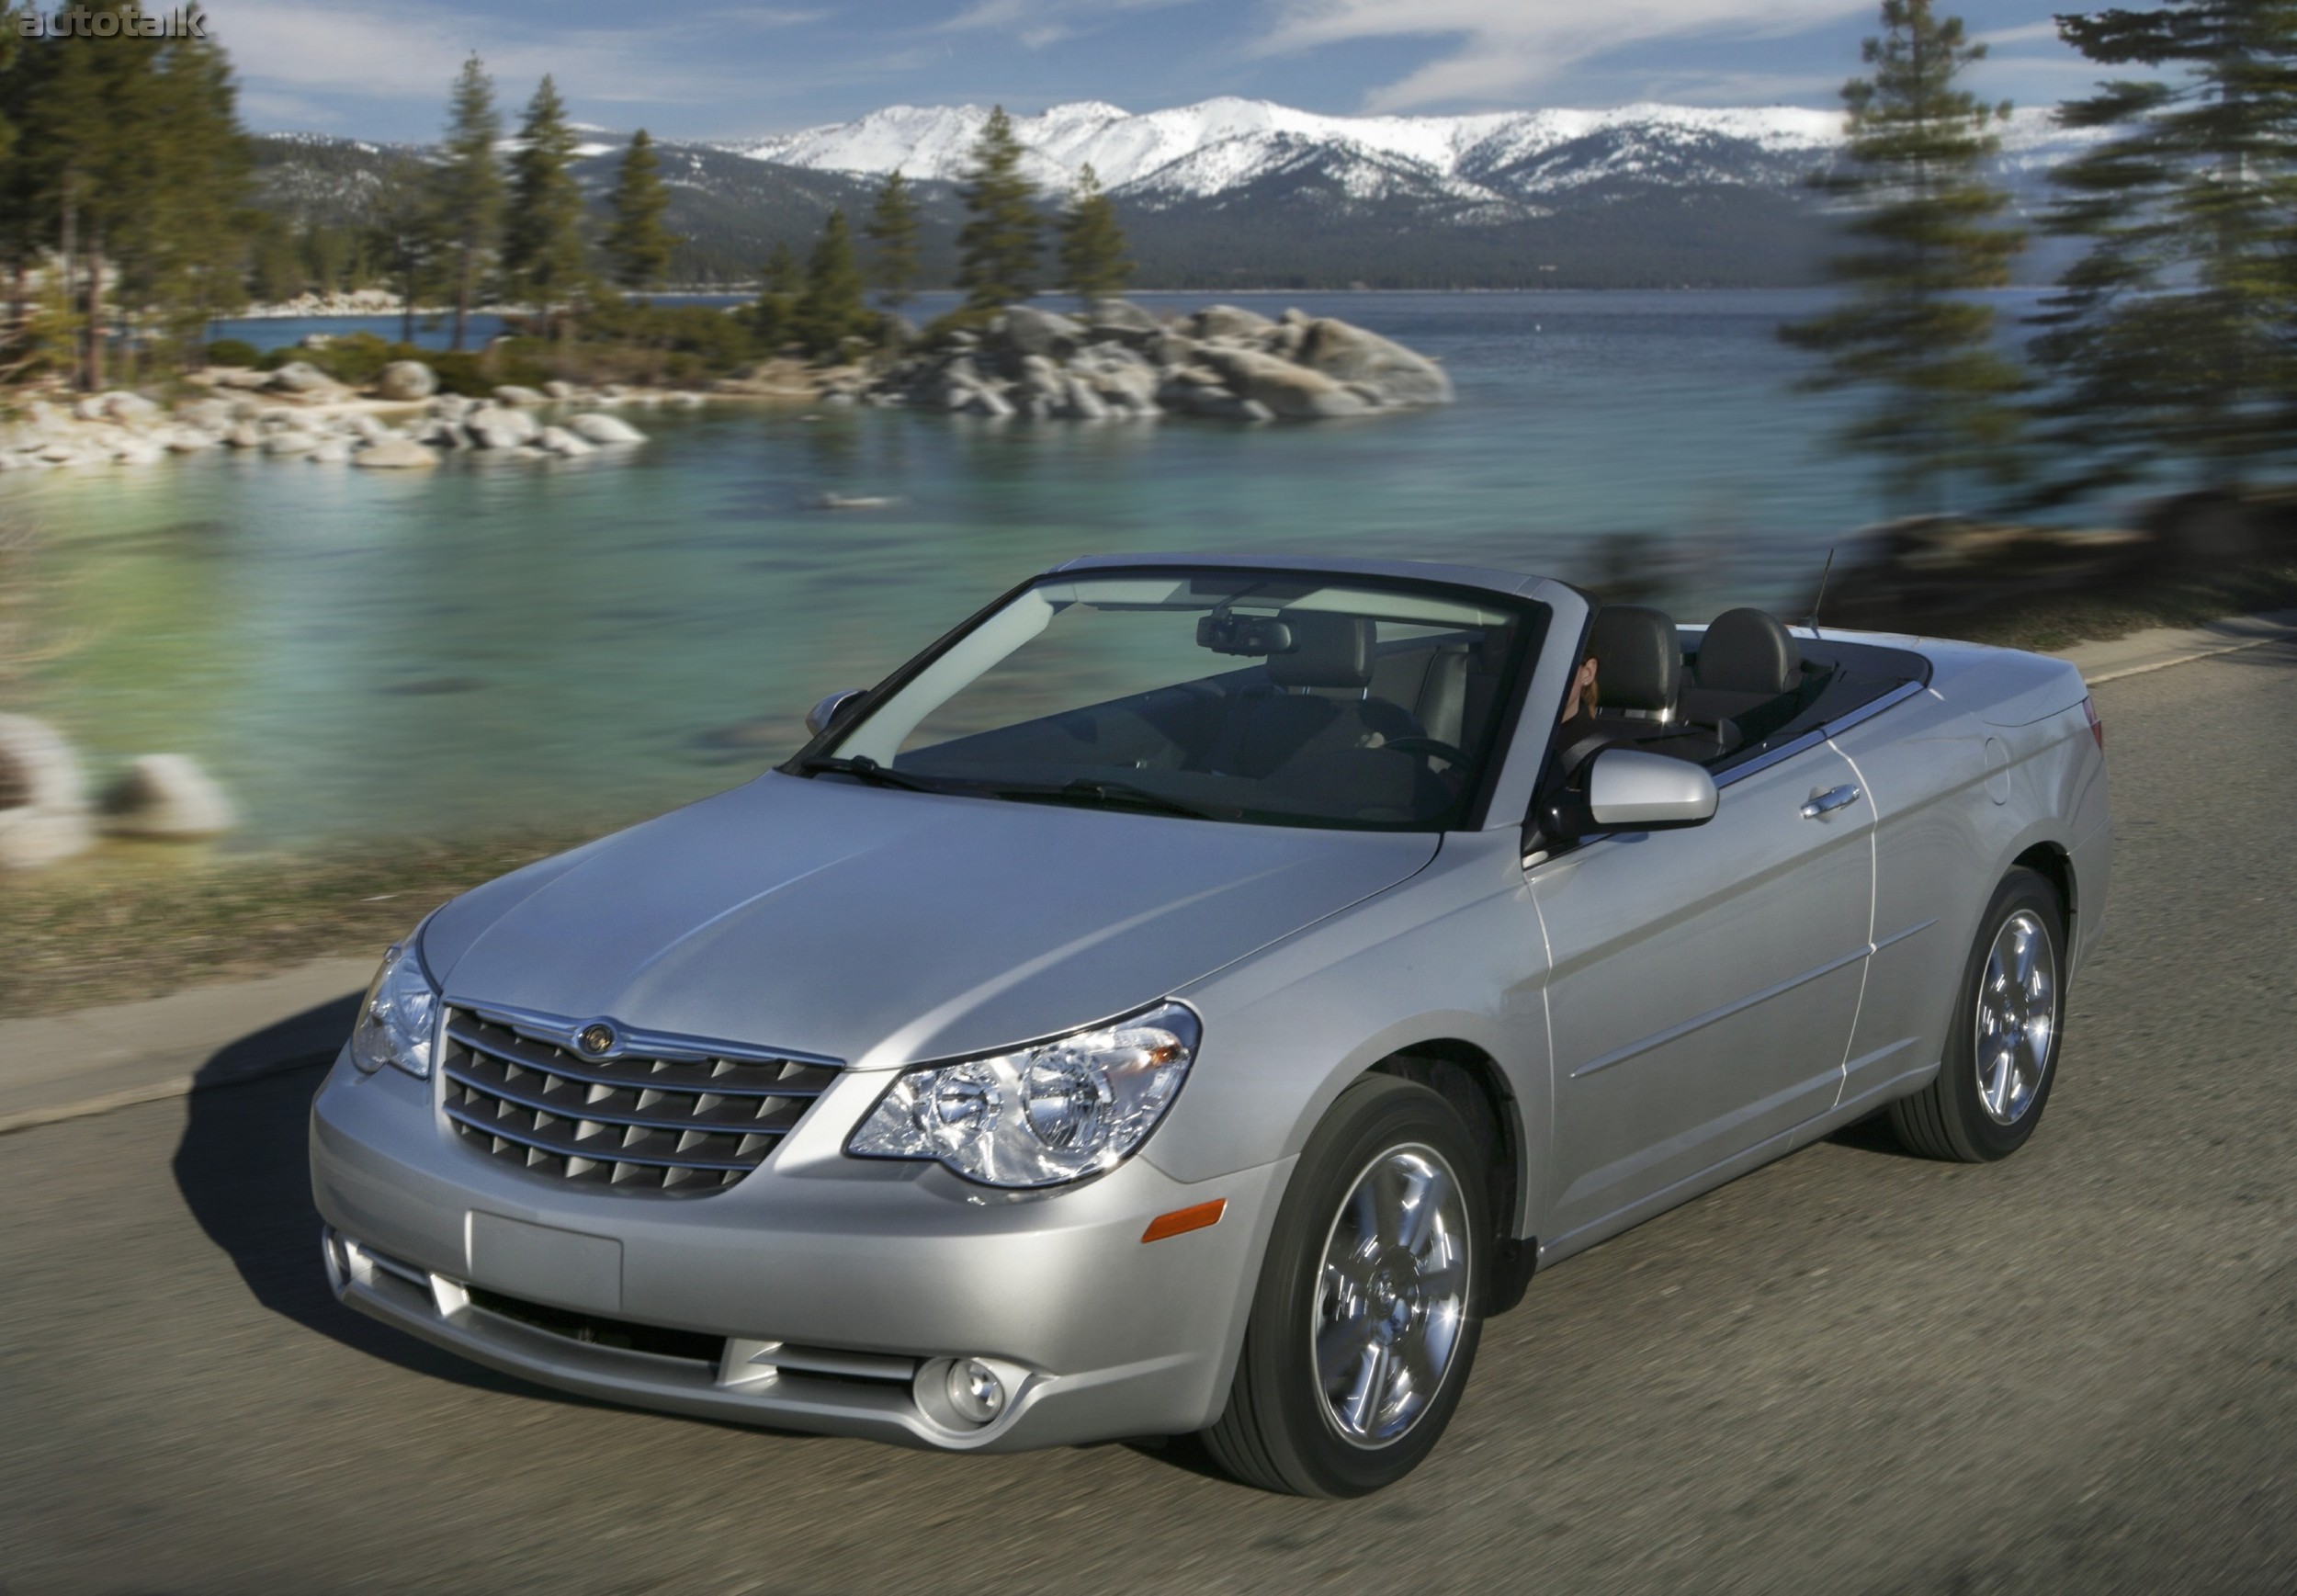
point(730, 71)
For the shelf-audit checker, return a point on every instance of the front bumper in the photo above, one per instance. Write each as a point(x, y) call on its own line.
point(835, 1286)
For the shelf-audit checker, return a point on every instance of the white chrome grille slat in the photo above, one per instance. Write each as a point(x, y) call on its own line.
point(629, 1122)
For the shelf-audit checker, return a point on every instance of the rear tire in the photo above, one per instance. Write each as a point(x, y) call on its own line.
point(2001, 1049)
point(1365, 1323)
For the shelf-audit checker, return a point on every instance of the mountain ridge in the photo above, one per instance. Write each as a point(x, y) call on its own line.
point(1195, 150)
point(1232, 193)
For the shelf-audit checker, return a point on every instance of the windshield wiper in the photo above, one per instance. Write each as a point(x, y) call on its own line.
point(864, 768)
point(1084, 789)
point(1091, 789)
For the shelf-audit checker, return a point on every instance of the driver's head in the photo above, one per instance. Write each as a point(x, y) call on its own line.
point(1582, 694)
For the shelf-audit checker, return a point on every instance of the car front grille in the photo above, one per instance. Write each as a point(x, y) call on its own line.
point(653, 1116)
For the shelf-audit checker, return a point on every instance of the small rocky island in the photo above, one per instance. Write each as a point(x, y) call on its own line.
point(1119, 361)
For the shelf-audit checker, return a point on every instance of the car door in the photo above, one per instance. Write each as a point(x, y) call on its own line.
point(1703, 984)
point(1925, 765)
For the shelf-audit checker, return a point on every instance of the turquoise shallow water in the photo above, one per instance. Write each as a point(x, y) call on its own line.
point(506, 641)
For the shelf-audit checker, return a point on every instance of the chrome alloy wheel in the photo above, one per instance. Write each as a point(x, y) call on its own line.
point(2018, 1017)
point(1393, 1297)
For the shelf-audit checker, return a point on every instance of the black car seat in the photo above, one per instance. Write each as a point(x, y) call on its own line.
point(1638, 664)
point(1639, 676)
point(1441, 704)
point(1315, 699)
point(1746, 661)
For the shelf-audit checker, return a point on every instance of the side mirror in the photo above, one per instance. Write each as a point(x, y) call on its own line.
point(823, 715)
point(1628, 790)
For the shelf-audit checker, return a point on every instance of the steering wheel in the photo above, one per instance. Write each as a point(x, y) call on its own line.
point(1429, 748)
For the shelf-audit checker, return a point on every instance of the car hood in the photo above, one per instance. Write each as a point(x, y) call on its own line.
point(878, 926)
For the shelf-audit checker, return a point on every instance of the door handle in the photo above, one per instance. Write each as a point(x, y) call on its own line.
point(1826, 803)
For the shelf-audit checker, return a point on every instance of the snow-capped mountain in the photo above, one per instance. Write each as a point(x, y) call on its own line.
point(1224, 139)
point(1195, 150)
point(1492, 166)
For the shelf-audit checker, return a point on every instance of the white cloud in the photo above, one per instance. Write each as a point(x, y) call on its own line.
point(267, 109)
point(1691, 87)
point(1507, 47)
point(2029, 33)
point(989, 14)
point(1040, 22)
point(300, 53)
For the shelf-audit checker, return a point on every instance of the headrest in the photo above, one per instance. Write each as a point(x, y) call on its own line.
point(1638, 660)
point(1328, 651)
point(1749, 651)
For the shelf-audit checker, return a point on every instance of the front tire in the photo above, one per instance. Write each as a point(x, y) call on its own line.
point(1364, 1324)
point(2002, 1050)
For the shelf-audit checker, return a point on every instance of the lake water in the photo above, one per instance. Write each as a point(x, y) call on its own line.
point(510, 642)
point(432, 330)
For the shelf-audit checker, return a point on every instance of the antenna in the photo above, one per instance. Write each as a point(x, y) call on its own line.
point(1812, 619)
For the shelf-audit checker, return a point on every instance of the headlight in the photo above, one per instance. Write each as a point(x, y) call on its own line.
point(1040, 1115)
point(396, 1022)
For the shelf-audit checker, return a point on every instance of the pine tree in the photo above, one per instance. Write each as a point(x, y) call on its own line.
point(2171, 339)
point(130, 175)
point(638, 243)
point(830, 308)
point(782, 274)
point(781, 282)
point(468, 187)
point(1094, 265)
point(998, 245)
point(15, 218)
point(67, 164)
point(11, 46)
point(542, 243)
point(404, 237)
point(180, 256)
point(892, 229)
point(47, 95)
point(1928, 233)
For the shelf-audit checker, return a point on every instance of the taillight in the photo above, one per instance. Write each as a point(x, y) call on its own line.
point(2096, 727)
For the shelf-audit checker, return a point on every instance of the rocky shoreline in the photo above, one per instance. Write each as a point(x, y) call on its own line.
point(399, 421)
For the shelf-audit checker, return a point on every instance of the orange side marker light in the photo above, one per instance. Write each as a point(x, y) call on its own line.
point(1181, 1221)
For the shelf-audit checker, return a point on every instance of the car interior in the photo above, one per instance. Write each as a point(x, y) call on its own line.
point(1350, 718)
point(1339, 715)
point(1719, 698)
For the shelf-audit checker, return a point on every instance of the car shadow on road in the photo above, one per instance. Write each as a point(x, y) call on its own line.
point(1872, 1134)
point(245, 1174)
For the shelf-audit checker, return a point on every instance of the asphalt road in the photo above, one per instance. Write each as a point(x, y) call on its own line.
point(1851, 1371)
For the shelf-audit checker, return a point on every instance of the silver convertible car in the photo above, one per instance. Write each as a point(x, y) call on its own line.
point(1196, 991)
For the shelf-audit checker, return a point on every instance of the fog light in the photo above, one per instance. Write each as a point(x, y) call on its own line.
point(975, 1391)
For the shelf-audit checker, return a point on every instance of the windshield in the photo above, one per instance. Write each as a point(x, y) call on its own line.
point(1233, 695)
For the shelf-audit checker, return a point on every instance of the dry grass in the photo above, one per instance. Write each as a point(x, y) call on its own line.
point(139, 921)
